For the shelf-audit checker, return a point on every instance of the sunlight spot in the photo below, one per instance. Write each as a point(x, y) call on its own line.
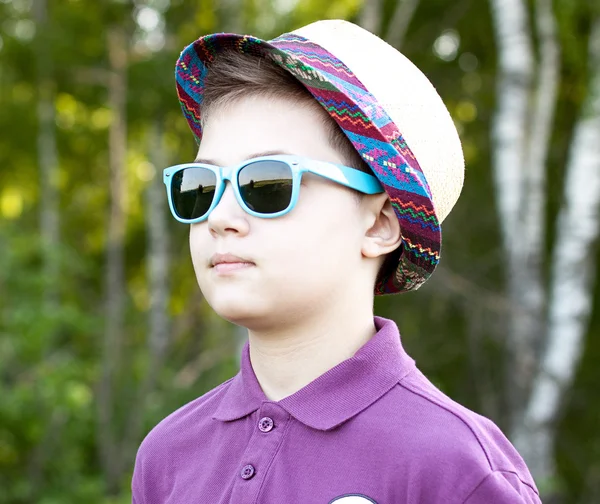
point(11, 203)
point(446, 45)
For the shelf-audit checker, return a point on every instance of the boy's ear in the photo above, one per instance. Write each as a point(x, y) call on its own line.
point(383, 234)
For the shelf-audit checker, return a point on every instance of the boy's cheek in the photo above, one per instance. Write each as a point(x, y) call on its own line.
point(199, 259)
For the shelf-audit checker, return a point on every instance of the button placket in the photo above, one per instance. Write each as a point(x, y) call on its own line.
point(270, 425)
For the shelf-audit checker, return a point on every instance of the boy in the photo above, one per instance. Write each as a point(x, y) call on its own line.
point(326, 162)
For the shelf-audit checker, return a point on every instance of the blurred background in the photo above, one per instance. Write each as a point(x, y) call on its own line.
point(103, 330)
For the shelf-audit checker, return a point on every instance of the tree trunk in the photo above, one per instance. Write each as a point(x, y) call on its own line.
point(401, 18)
point(533, 217)
point(49, 222)
point(115, 278)
point(527, 283)
point(573, 278)
point(158, 281)
point(509, 134)
point(544, 104)
point(47, 159)
point(515, 59)
point(371, 14)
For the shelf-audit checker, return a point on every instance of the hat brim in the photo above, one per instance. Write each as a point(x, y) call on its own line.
point(362, 119)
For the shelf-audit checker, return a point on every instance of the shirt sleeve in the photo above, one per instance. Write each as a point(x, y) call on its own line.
point(136, 483)
point(135, 496)
point(501, 487)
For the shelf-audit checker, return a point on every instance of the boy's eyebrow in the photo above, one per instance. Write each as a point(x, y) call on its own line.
point(255, 155)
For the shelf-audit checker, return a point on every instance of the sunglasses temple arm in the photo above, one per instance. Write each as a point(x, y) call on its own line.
point(350, 177)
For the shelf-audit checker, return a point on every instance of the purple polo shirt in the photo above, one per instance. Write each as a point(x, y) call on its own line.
point(373, 429)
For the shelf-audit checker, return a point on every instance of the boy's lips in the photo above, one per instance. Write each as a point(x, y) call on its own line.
point(228, 258)
point(231, 267)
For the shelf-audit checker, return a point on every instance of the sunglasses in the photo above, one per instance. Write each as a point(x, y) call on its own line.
point(266, 186)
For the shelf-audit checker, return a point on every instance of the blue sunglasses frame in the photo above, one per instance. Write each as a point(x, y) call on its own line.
point(344, 175)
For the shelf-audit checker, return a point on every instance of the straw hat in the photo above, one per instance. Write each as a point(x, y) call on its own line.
point(387, 108)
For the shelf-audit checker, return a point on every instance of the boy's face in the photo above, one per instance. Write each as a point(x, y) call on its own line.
point(303, 261)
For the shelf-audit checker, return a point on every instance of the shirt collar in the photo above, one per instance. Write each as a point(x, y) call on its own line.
point(335, 396)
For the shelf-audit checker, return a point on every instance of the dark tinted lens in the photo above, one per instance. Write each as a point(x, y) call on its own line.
point(266, 186)
point(192, 191)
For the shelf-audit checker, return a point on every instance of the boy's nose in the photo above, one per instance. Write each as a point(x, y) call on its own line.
point(228, 214)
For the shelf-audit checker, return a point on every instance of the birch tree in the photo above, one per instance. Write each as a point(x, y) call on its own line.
point(49, 229)
point(371, 17)
point(547, 322)
point(401, 17)
point(47, 156)
point(514, 80)
point(115, 277)
point(157, 275)
point(573, 279)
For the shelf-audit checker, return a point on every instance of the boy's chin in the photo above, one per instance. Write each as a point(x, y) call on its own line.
point(239, 311)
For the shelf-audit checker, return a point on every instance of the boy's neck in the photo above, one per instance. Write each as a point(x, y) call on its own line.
point(288, 361)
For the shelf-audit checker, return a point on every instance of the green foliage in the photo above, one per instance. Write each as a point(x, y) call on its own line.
point(50, 351)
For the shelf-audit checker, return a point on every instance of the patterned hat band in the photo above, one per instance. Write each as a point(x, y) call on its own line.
point(383, 103)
